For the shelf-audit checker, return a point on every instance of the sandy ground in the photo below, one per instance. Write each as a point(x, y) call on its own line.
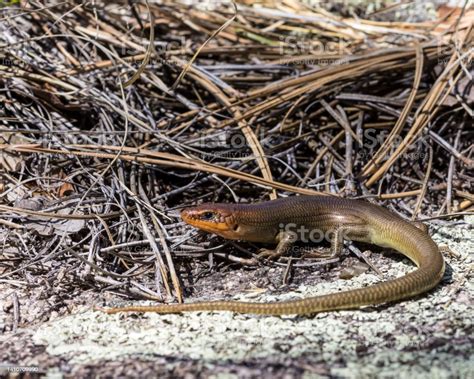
point(427, 337)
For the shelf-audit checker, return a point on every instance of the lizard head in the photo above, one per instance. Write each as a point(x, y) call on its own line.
point(213, 218)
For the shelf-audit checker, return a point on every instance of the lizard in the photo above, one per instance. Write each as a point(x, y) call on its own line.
point(346, 219)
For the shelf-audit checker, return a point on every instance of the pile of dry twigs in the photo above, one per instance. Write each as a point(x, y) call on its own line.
point(112, 116)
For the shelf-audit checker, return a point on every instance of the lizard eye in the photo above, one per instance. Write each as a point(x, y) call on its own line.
point(207, 216)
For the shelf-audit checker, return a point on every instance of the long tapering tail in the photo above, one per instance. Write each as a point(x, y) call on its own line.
point(413, 243)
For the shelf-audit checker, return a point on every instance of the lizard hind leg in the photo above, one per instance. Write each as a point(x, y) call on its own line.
point(336, 238)
point(349, 233)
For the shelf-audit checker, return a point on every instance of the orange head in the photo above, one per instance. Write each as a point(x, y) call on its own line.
point(213, 218)
point(231, 221)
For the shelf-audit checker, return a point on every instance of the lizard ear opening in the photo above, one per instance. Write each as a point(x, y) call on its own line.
point(235, 227)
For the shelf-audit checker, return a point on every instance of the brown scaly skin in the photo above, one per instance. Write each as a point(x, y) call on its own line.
point(353, 219)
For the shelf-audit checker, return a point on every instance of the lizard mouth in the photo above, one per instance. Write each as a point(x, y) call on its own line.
point(209, 220)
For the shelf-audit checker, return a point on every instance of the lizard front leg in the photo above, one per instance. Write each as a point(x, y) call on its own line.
point(285, 241)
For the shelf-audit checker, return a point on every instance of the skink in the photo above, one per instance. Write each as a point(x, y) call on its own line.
point(280, 221)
